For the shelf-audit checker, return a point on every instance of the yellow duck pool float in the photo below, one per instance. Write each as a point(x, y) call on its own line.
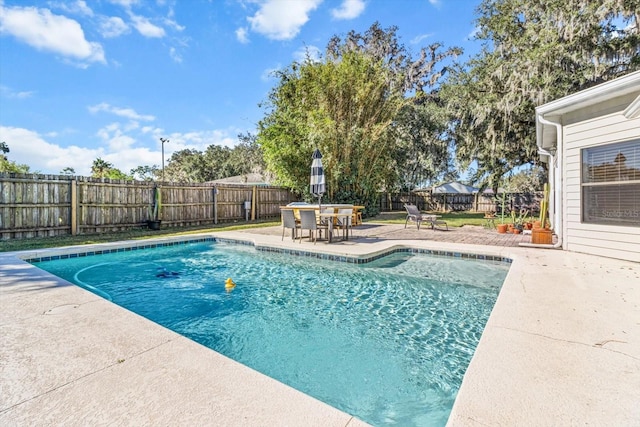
point(229, 285)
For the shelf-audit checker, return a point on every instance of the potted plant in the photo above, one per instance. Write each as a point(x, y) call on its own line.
point(155, 210)
point(543, 234)
point(502, 199)
point(519, 222)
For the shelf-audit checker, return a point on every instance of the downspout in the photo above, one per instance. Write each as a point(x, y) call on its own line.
point(556, 162)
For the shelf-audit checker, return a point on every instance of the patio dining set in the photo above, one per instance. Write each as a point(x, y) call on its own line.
point(329, 218)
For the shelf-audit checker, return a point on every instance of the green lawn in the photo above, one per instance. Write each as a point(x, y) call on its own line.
point(454, 219)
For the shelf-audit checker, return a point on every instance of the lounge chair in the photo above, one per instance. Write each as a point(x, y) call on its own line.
point(289, 221)
point(414, 214)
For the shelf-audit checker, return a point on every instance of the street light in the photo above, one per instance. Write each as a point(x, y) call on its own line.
point(163, 140)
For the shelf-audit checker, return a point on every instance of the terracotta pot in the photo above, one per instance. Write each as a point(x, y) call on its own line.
point(536, 224)
point(516, 231)
point(502, 228)
point(541, 236)
point(528, 225)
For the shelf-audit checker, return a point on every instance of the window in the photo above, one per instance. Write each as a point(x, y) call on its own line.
point(611, 184)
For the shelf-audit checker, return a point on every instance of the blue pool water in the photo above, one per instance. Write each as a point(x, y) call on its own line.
point(387, 341)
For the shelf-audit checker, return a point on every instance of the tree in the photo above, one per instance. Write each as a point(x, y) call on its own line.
point(247, 155)
point(103, 169)
point(4, 149)
point(146, 173)
point(7, 165)
point(534, 51)
point(100, 168)
point(183, 166)
point(68, 171)
point(349, 106)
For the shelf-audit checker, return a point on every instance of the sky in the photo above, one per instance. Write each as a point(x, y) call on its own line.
point(88, 79)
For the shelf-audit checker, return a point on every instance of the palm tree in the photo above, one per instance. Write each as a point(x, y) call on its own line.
point(100, 168)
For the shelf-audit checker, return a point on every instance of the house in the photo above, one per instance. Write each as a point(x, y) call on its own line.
point(454, 188)
point(249, 179)
point(591, 142)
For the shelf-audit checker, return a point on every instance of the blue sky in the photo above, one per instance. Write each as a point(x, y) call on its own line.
point(82, 79)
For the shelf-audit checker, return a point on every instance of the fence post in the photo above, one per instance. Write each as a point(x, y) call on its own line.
point(253, 203)
point(215, 205)
point(74, 207)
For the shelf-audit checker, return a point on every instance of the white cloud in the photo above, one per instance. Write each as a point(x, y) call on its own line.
point(420, 37)
point(349, 9)
point(128, 113)
point(312, 52)
point(113, 26)
point(124, 147)
point(472, 35)
point(124, 3)
point(173, 53)
point(146, 28)
point(116, 140)
point(241, 35)
point(79, 7)
point(200, 140)
point(282, 19)
point(7, 92)
point(173, 24)
point(30, 148)
point(45, 31)
point(269, 73)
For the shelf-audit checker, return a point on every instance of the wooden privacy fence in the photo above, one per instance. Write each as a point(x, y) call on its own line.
point(454, 202)
point(54, 205)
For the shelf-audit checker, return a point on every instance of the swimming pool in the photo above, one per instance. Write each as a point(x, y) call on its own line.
point(387, 341)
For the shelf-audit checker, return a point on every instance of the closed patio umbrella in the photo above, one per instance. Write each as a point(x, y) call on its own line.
point(317, 176)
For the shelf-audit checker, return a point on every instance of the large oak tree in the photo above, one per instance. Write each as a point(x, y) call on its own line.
point(534, 51)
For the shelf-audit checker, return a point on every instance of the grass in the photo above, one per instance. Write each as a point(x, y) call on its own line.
point(453, 219)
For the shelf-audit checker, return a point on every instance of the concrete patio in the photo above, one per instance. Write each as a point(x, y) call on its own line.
point(562, 346)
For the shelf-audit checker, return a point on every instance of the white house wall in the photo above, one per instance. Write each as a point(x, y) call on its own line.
point(587, 130)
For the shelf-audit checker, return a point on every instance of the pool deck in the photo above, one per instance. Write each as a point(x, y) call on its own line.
point(561, 347)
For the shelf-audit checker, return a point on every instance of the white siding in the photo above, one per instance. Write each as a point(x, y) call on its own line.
point(588, 131)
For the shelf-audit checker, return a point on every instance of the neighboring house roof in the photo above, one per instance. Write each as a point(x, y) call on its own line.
point(246, 179)
point(454, 188)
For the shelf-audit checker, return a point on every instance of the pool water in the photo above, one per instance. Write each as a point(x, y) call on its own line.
point(387, 341)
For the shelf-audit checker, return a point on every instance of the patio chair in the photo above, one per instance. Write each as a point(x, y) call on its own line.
point(434, 221)
point(345, 222)
point(413, 214)
point(289, 221)
point(309, 222)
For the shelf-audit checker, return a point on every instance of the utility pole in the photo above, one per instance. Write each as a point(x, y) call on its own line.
point(163, 140)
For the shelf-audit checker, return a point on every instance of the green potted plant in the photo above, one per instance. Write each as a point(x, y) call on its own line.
point(543, 235)
point(519, 223)
point(155, 210)
point(502, 199)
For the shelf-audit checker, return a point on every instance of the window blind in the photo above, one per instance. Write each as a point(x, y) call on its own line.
point(611, 184)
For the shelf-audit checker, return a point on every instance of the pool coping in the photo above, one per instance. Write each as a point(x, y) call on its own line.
point(560, 347)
